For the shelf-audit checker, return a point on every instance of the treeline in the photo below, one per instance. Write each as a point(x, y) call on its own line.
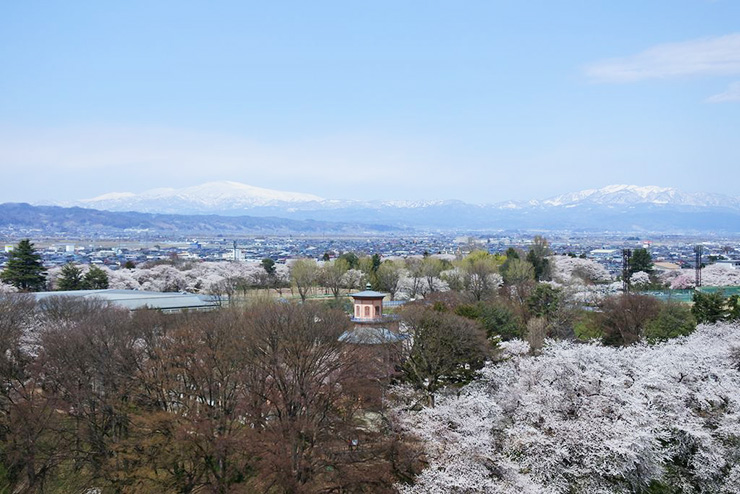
point(263, 399)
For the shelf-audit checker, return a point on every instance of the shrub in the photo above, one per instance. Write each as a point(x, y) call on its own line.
point(672, 321)
point(709, 307)
point(587, 327)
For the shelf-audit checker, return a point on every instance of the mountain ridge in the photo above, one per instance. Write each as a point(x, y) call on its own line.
point(76, 220)
point(223, 196)
point(614, 207)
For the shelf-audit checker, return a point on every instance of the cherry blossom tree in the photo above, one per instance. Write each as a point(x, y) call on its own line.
point(5, 288)
point(566, 269)
point(719, 275)
point(590, 419)
point(683, 282)
point(123, 279)
point(640, 279)
point(353, 278)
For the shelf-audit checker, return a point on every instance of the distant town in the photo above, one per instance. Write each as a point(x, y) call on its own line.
point(667, 251)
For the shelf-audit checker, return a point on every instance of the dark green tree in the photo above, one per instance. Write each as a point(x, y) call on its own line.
point(268, 265)
point(537, 255)
point(733, 308)
point(376, 262)
point(673, 320)
point(709, 307)
point(24, 269)
point(511, 254)
point(71, 278)
point(351, 259)
point(640, 261)
point(496, 318)
point(544, 301)
point(95, 279)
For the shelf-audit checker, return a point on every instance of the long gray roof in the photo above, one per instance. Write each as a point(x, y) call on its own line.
point(369, 335)
point(139, 299)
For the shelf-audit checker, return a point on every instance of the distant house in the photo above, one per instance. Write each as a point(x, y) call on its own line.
point(137, 299)
point(729, 263)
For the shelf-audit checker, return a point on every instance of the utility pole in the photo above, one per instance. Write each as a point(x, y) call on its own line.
point(698, 250)
point(626, 255)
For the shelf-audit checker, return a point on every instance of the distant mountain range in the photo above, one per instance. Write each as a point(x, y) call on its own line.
point(626, 208)
point(55, 220)
point(630, 195)
point(208, 198)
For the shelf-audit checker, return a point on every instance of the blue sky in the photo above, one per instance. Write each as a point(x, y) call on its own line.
point(482, 101)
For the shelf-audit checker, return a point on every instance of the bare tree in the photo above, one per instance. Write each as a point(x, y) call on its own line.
point(89, 353)
point(623, 317)
point(33, 439)
point(196, 373)
point(389, 277)
point(431, 267)
point(304, 273)
point(303, 371)
point(479, 273)
point(442, 349)
point(332, 275)
point(415, 271)
point(536, 332)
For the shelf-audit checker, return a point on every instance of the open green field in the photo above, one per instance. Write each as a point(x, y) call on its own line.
point(686, 296)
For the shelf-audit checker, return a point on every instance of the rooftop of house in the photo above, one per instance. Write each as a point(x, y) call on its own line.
point(368, 293)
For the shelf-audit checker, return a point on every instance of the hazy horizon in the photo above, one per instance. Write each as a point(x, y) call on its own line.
point(113, 194)
point(482, 102)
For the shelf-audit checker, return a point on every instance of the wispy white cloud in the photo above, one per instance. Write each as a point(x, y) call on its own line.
point(715, 56)
point(732, 94)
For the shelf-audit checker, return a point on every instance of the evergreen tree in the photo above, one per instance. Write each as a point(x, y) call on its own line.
point(24, 269)
point(70, 278)
point(709, 307)
point(733, 308)
point(673, 320)
point(95, 279)
point(510, 254)
point(537, 255)
point(351, 258)
point(268, 265)
point(544, 301)
point(376, 262)
point(640, 261)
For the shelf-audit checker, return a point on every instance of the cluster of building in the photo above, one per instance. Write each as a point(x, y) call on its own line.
point(254, 249)
point(669, 252)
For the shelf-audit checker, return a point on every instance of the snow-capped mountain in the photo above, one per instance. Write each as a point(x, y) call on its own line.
point(209, 197)
point(626, 195)
point(615, 207)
